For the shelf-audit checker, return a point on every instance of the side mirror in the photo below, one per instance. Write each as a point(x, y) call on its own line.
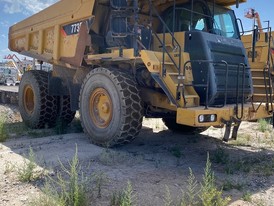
point(242, 32)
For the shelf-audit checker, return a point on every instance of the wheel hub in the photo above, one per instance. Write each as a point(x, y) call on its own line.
point(100, 105)
point(29, 99)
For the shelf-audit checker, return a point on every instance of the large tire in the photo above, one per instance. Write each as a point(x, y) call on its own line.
point(111, 109)
point(173, 126)
point(65, 114)
point(38, 109)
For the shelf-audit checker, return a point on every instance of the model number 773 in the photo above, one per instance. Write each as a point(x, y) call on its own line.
point(75, 28)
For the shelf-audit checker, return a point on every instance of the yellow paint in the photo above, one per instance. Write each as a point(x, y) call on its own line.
point(40, 34)
point(189, 116)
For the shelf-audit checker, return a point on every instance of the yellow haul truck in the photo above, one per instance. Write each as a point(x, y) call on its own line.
point(259, 46)
point(119, 60)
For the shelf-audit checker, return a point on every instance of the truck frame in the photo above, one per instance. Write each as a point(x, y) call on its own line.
point(119, 60)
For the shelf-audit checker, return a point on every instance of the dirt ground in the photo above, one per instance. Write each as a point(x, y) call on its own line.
point(157, 159)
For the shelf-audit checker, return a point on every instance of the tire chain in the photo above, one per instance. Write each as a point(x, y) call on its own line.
point(133, 111)
point(66, 115)
point(48, 104)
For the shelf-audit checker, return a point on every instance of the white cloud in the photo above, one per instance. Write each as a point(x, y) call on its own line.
point(25, 6)
point(3, 36)
point(4, 23)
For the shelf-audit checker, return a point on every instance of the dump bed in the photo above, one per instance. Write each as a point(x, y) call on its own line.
point(52, 33)
point(58, 34)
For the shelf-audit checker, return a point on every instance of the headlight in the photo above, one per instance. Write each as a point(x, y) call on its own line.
point(201, 118)
point(207, 118)
point(213, 118)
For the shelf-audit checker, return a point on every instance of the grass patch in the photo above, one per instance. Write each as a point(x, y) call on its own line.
point(210, 194)
point(190, 196)
point(167, 198)
point(207, 194)
point(262, 165)
point(99, 179)
point(9, 168)
point(27, 172)
point(124, 198)
point(70, 188)
point(242, 140)
point(247, 197)
point(176, 152)
point(3, 129)
point(111, 157)
point(220, 156)
point(230, 185)
point(264, 125)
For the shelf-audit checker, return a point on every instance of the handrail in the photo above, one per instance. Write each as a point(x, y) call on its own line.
point(237, 89)
point(226, 64)
point(163, 41)
point(269, 58)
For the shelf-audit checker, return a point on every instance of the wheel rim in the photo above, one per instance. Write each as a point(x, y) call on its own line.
point(100, 107)
point(29, 99)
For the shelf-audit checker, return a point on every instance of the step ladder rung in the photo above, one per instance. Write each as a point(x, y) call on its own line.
point(260, 78)
point(260, 95)
point(167, 63)
point(261, 86)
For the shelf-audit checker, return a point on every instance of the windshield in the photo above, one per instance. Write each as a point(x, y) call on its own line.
point(223, 22)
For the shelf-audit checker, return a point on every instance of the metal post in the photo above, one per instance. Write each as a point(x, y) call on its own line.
point(135, 44)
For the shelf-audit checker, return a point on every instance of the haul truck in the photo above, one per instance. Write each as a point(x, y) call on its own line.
point(260, 52)
point(119, 60)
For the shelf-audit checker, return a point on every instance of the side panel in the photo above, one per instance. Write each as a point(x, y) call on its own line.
point(53, 32)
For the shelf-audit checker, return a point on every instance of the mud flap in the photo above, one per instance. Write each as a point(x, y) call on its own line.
point(233, 122)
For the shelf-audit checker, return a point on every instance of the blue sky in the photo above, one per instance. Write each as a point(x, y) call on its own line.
point(13, 11)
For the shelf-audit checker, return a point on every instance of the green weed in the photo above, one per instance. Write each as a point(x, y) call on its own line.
point(262, 165)
point(27, 173)
point(100, 180)
point(116, 199)
point(9, 168)
point(263, 125)
point(128, 196)
point(68, 189)
point(220, 156)
point(242, 140)
point(230, 185)
point(247, 197)
point(210, 195)
point(3, 129)
point(124, 198)
point(176, 152)
point(48, 197)
point(111, 157)
point(73, 191)
point(190, 196)
point(167, 198)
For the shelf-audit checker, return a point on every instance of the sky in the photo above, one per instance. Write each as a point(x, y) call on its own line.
point(13, 11)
